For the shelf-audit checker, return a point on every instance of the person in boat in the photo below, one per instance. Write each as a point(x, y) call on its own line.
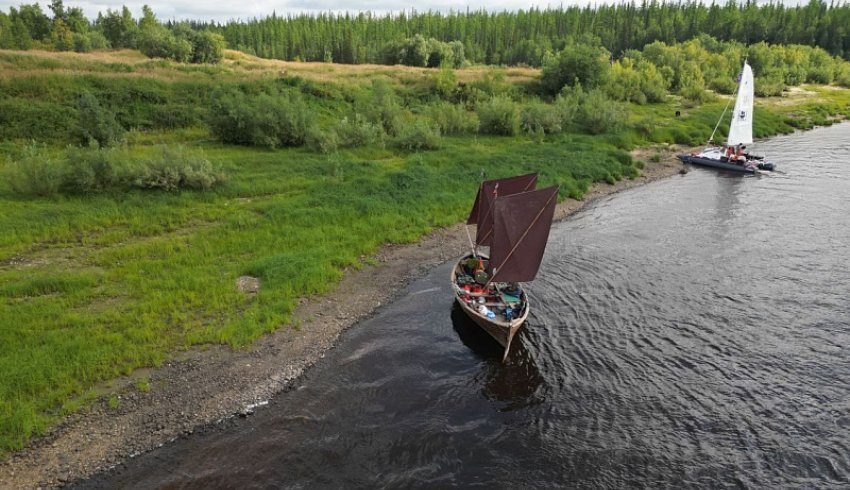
point(739, 154)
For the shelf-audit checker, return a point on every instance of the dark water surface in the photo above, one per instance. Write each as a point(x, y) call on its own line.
point(691, 332)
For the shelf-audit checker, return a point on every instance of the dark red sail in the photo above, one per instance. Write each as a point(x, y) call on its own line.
point(482, 210)
point(521, 225)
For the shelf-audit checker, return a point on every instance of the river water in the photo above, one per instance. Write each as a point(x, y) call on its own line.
point(691, 332)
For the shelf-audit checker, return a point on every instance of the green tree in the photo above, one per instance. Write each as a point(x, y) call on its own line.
point(97, 125)
point(576, 64)
point(207, 47)
point(37, 24)
point(7, 37)
point(61, 37)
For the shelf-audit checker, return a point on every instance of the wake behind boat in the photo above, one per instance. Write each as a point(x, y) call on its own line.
point(513, 220)
point(733, 156)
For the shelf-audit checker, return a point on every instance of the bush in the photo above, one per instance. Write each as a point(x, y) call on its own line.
point(207, 47)
point(723, 85)
point(493, 83)
point(159, 42)
point(693, 95)
point(321, 141)
point(35, 174)
point(599, 114)
point(499, 116)
point(382, 107)
point(568, 105)
point(262, 120)
point(577, 64)
point(358, 131)
point(97, 125)
point(769, 85)
point(452, 119)
point(419, 51)
point(174, 169)
point(88, 171)
point(443, 83)
point(539, 117)
point(82, 43)
point(418, 136)
point(842, 76)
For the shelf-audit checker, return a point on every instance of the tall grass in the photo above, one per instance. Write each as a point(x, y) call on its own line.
point(98, 285)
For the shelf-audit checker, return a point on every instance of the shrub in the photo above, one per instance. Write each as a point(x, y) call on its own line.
point(577, 64)
point(694, 95)
point(419, 51)
point(539, 117)
point(382, 107)
point(321, 141)
point(568, 105)
point(769, 85)
point(443, 83)
point(452, 119)
point(35, 174)
point(159, 42)
point(723, 85)
point(262, 120)
point(499, 116)
point(174, 168)
point(493, 83)
point(97, 125)
point(418, 136)
point(89, 171)
point(358, 131)
point(86, 171)
point(82, 43)
point(842, 76)
point(207, 47)
point(599, 114)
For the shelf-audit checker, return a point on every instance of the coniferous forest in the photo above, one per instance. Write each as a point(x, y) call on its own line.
point(524, 37)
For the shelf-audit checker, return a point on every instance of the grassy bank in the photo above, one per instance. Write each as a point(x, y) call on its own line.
point(95, 285)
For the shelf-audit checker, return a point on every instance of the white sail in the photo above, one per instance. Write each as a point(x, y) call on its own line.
point(741, 128)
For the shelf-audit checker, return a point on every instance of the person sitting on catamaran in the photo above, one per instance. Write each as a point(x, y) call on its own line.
point(739, 153)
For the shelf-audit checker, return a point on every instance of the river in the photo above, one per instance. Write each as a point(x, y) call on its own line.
point(691, 332)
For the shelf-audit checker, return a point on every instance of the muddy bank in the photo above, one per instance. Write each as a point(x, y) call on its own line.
point(201, 387)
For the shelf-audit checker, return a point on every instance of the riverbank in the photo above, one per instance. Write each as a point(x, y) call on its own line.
point(204, 386)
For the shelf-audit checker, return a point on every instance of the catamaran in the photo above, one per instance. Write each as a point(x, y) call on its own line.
point(513, 220)
point(733, 156)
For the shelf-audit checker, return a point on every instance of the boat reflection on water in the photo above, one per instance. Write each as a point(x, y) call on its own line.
point(516, 382)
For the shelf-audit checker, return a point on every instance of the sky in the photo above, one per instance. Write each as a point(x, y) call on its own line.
point(224, 11)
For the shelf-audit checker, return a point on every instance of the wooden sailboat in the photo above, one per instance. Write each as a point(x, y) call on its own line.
point(513, 220)
point(732, 155)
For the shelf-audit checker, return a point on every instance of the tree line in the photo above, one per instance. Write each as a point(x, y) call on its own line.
point(29, 27)
point(526, 37)
point(523, 37)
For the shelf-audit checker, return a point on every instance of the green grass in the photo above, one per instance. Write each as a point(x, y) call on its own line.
point(96, 286)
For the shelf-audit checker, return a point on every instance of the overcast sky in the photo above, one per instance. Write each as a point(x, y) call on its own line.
point(224, 11)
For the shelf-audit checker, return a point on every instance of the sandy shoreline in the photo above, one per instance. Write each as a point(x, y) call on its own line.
point(201, 387)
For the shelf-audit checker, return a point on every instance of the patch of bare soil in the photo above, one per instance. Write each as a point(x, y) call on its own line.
point(205, 386)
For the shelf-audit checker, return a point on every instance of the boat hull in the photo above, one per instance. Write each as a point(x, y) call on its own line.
point(711, 162)
point(501, 329)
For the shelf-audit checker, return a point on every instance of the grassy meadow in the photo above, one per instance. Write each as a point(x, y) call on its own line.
point(96, 284)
